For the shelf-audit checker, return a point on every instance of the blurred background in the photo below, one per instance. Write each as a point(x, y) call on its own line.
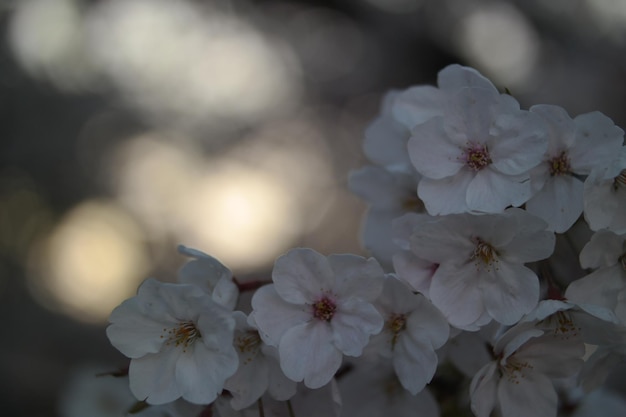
point(130, 126)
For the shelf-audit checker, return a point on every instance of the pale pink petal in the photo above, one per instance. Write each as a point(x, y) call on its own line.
point(491, 191)
point(201, 372)
point(518, 142)
point(301, 275)
point(598, 142)
point(249, 383)
point(470, 114)
point(415, 363)
point(151, 377)
point(560, 126)
point(273, 315)
point(356, 276)
point(601, 287)
point(377, 234)
point(455, 291)
point(454, 77)
point(134, 333)
point(483, 390)
point(446, 196)
point(416, 272)
point(382, 188)
point(509, 292)
point(604, 249)
point(426, 322)
point(532, 395)
point(554, 355)
point(559, 203)
point(446, 239)
point(385, 138)
point(307, 353)
point(432, 153)
point(352, 325)
point(418, 104)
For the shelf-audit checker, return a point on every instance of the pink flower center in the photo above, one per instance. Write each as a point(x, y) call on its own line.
point(185, 334)
point(559, 165)
point(477, 157)
point(324, 309)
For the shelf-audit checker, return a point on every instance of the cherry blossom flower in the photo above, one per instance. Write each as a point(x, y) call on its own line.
point(390, 195)
point(605, 196)
point(606, 286)
point(414, 328)
point(481, 275)
point(476, 157)
point(210, 275)
point(421, 103)
point(179, 340)
point(390, 186)
point(259, 371)
point(575, 147)
point(317, 310)
point(415, 271)
point(386, 137)
point(519, 382)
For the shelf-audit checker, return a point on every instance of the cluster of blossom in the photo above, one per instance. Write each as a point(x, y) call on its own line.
point(467, 195)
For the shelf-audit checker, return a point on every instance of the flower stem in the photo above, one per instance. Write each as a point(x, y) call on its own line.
point(290, 408)
point(261, 411)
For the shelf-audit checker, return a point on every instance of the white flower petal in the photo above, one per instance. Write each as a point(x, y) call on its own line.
point(151, 377)
point(483, 390)
point(426, 322)
point(559, 203)
point(356, 276)
point(301, 275)
point(352, 325)
point(455, 291)
point(414, 271)
point(533, 395)
point(307, 353)
point(454, 77)
point(491, 191)
point(447, 195)
point(201, 372)
point(470, 114)
point(415, 363)
point(417, 105)
point(509, 292)
point(432, 153)
point(274, 316)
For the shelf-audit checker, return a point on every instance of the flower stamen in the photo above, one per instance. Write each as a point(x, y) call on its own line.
point(185, 334)
point(477, 157)
point(484, 252)
point(248, 343)
point(559, 165)
point(619, 181)
point(324, 309)
point(396, 324)
point(514, 369)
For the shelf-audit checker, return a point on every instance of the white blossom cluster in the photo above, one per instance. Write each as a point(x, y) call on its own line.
point(467, 195)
